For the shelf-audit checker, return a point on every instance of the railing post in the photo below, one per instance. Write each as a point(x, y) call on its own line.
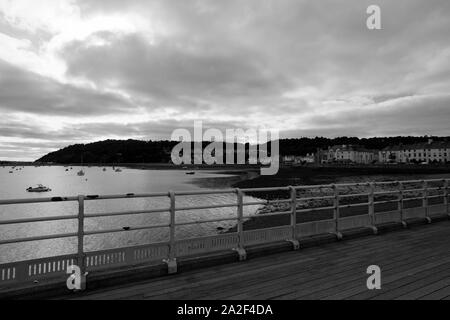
point(400, 204)
point(293, 240)
point(172, 260)
point(425, 200)
point(240, 226)
point(81, 255)
point(446, 203)
point(372, 207)
point(336, 212)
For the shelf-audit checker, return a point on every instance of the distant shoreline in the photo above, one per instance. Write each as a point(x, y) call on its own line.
point(151, 166)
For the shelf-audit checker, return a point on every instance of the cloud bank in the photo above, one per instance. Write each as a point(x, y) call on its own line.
point(83, 70)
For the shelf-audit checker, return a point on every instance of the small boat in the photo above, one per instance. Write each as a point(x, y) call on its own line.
point(67, 170)
point(11, 171)
point(190, 172)
point(104, 169)
point(39, 188)
point(80, 173)
point(118, 170)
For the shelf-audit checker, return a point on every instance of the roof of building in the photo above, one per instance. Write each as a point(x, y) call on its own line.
point(420, 146)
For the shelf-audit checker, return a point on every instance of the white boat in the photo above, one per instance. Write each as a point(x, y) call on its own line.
point(39, 188)
point(81, 172)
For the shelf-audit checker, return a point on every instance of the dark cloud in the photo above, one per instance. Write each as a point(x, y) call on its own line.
point(172, 73)
point(24, 91)
point(410, 115)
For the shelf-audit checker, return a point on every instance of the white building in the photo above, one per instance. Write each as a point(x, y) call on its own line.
point(349, 154)
point(427, 152)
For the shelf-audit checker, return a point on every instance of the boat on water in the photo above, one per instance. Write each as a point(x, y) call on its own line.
point(81, 172)
point(118, 170)
point(11, 171)
point(104, 169)
point(39, 188)
point(190, 172)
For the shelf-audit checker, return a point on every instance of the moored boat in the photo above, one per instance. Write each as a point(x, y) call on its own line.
point(39, 188)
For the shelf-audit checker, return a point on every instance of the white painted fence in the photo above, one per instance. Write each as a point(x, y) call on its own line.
point(432, 196)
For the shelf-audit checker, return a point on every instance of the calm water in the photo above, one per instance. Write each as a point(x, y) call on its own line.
point(62, 183)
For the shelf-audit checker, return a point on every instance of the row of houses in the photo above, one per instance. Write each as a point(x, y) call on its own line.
point(346, 154)
point(427, 152)
point(430, 152)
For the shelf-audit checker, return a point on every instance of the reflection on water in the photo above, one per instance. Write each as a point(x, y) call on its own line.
point(96, 181)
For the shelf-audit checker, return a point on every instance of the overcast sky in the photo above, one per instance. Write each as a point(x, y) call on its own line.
point(84, 70)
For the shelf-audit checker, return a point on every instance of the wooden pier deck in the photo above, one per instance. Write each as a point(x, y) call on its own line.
point(415, 264)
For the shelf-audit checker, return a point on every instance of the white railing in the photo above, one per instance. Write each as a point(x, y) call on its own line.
point(311, 210)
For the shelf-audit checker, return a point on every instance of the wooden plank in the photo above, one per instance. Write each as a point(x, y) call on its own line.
point(425, 290)
point(407, 271)
point(416, 282)
point(415, 264)
point(337, 284)
point(311, 277)
point(437, 295)
point(243, 282)
point(230, 269)
point(328, 258)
